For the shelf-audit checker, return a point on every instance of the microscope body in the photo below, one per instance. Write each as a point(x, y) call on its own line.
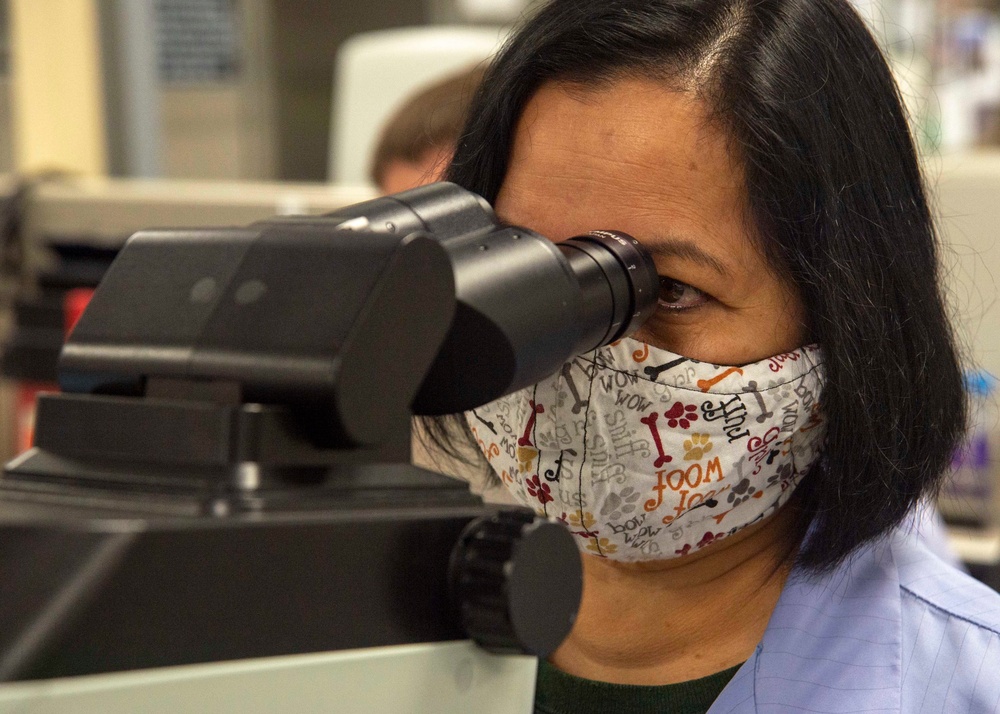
point(222, 494)
point(331, 608)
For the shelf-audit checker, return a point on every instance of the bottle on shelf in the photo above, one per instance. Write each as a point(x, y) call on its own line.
point(971, 496)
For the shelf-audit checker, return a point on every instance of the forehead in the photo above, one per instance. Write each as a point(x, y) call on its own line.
point(634, 156)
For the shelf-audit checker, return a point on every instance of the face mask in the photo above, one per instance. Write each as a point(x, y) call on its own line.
point(646, 455)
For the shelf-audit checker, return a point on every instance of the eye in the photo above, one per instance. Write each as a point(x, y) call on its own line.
point(675, 295)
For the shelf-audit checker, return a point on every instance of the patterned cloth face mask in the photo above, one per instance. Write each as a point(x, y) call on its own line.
point(648, 455)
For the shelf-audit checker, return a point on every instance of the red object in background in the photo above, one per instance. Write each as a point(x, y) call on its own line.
point(74, 303)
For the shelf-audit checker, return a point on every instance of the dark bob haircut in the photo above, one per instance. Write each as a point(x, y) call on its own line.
point(836, 204)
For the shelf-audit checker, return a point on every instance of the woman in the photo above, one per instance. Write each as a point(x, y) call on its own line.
point(737, 472)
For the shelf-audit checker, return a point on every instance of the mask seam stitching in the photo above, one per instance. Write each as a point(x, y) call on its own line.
point(816, 366)
point(583, 458)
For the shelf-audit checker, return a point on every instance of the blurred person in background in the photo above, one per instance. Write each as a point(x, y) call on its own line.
point(417, 143)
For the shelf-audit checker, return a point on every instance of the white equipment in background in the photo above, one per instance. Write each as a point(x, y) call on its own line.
point(376, 71)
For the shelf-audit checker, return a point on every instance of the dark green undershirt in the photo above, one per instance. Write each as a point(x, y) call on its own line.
point(560, 693)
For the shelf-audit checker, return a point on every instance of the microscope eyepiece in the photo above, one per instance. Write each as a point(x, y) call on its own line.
point(617, 277)
point(527, 305)
point(357, 304)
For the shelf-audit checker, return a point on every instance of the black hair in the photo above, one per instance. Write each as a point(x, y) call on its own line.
point(835, 201)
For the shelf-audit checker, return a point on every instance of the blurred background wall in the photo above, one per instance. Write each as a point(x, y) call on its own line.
point(237, 89)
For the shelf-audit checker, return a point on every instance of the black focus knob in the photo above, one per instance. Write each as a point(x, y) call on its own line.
point(516, 580)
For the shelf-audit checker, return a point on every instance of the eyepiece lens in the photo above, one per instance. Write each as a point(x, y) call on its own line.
point(619, 282)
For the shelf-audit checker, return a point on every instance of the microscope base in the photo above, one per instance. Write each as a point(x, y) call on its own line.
point(436, 678)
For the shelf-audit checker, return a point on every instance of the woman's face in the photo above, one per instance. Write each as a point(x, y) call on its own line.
point(637, 157)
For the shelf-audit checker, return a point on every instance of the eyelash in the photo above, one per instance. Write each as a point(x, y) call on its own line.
point(669, 285)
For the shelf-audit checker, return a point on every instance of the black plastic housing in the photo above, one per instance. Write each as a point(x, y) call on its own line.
point(289, 312)
point(226, 474)
point(417, 302)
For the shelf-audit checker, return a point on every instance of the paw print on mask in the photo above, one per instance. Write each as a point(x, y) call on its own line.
point(539, 490)
point(741, 492)
point(709, 538)
point(783, 474)
point(682, 414)
point(580, 523)
point(618, 505)
point(696, 447)
point(548, 441)
point(601, 546)
point(526, 459)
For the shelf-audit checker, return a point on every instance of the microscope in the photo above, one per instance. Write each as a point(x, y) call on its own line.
point(219, 512)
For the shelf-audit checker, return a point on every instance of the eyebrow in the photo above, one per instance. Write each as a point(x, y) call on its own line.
point(673, 247)
point(669, 247)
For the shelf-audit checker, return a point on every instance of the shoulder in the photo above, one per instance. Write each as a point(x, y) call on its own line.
point(892, 629)
point(950, 634)
point(929, 580)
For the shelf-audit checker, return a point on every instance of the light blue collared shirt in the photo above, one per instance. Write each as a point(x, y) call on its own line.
point(894, 629)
